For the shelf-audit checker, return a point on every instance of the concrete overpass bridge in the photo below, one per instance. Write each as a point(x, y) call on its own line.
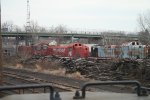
point(75, 35)
point(89, 37)
point(60, 37)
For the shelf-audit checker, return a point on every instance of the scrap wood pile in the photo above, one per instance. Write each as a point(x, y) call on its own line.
point(133, 69)
point(125, 69)
point(89, 69)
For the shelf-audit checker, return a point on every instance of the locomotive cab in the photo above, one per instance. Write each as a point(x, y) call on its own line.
point(69, 96)
point(80, 51)
point(141, 93)
point(133, 50)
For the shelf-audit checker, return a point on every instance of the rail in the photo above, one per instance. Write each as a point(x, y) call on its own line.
point(29, 77)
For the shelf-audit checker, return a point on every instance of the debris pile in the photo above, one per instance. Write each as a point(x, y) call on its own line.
point(134, 69)
point(90, 69)
point(125, 69)
point(112, 69)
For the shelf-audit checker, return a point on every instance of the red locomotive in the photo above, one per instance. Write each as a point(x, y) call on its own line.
point(75, 50)
point(72, 50)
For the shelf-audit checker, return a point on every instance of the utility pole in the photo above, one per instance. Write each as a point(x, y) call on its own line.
point(1, 63)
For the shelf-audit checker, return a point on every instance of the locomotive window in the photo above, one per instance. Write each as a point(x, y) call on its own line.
point(69, 49)
point(76, 45)
point(5, 51)
point(137, 43)
point(140, 47)
point(79, 44)
point(133, 43)
point(45, 46)
point(38, 48)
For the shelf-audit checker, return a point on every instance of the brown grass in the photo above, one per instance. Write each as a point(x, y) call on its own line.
point(19, 66)
point(76, 75)
point(43, 66)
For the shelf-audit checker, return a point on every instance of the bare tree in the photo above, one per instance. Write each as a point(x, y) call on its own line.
point(7, 26)
point(17, 28)
point(52, 29)
point(42, 29)
point(34, 27)
point(141, 23)
point(60, 29)
point(144, 37)
point(113, 38)
point(144, 25)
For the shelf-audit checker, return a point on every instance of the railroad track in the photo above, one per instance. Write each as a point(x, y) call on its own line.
point(58, 82)
point(29, 77)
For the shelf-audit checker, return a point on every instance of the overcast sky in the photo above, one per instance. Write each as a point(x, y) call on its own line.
point(120, 15)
